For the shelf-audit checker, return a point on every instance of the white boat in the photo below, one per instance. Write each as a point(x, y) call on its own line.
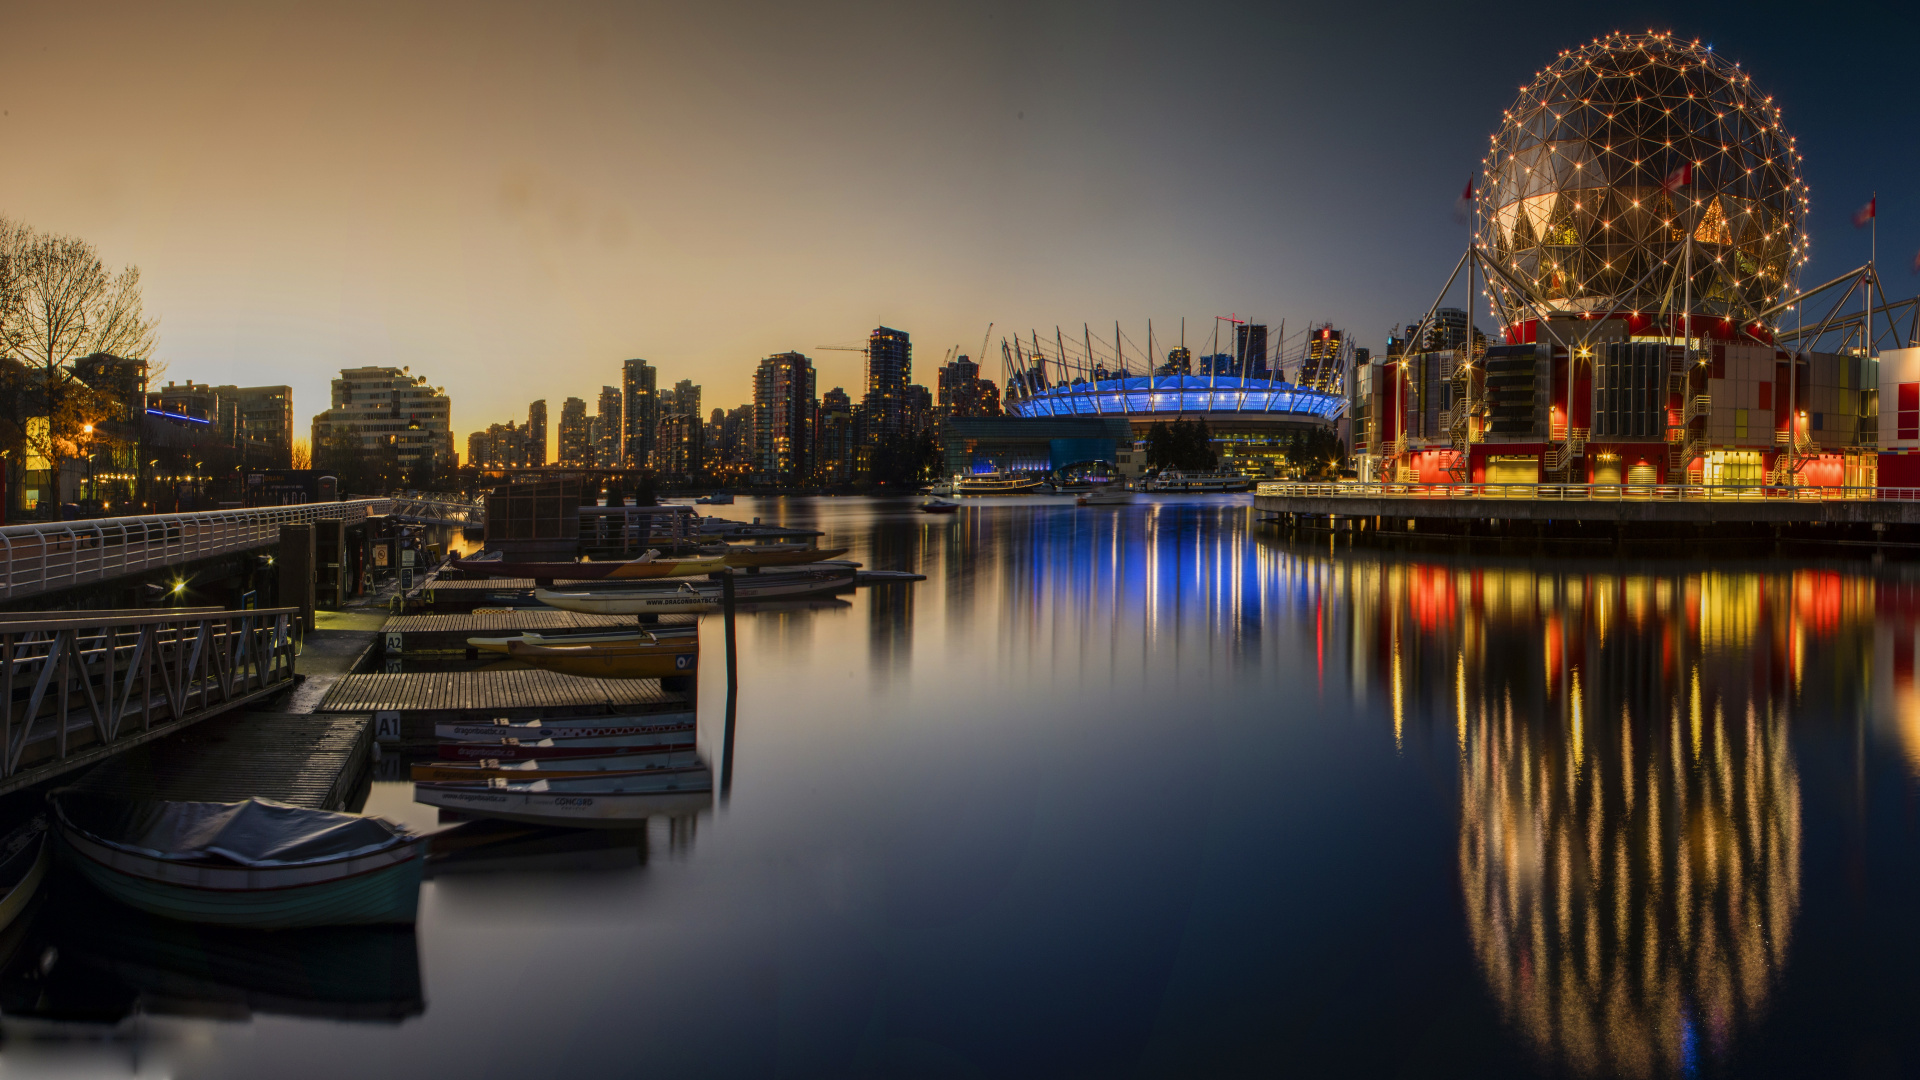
point(612, 802)
point(786, 583)
point(584, 727)
point(612, 637)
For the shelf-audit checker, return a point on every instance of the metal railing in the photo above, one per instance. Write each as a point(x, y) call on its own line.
point(1355, 489)
point(80, 686)
point(45, 556)
point(439, 511)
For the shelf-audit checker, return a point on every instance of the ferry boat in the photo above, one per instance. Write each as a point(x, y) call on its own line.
point(1199, 482)
point(995, 484)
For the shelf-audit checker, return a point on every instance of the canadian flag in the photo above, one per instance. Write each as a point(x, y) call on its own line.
point(1463, 209)
point(1677, 179)
point(1864, 215)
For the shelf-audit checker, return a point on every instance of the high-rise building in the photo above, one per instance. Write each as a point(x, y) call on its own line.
point(606, 426)
point(536, 435)
point(1250, 348)
point(1322, 368)
point(1179, 362)
point(783, 409)
point(576, 433)
point(639, 413)
point(919, 419)
point(686, 398)
point(833, 444)
point(962, 392)
point(737, 439)
point(679, 447)
point(889, 367)
point(374, 407)
point(255, 421)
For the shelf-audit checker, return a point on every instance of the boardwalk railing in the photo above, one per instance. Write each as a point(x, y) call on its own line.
point(80, 686)
point(42, 557)
point(1596, 492)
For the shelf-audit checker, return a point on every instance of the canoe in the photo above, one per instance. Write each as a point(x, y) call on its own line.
point(25, 855)
point(610, 570)
point(754, 555)
point(616, 802)
point(568, 727)
point(639, 660)
point(533, 749)
point(257, 863)
point(656, 760)
point(617, 637)
point(702, 595)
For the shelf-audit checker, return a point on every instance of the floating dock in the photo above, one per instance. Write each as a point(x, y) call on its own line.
point(417, 701)
point(448, 632)
point(314, 760)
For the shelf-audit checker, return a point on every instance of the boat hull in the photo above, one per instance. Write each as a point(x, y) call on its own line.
point(381, 888)
point(612, 662)
point(478, 751)
point(561, 769)
point(705, 596)
point(631, 570)
point(796, 556)
point(598, 810)
point(559, 729)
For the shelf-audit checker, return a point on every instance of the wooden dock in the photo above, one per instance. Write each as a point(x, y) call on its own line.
point(420, 700)
point(448, 633)
point(305, 759)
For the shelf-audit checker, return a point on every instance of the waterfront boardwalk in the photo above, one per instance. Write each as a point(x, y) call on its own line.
point(305, 759)
point(1878, 515)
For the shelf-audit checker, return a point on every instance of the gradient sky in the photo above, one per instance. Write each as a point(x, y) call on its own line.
point(514, 198)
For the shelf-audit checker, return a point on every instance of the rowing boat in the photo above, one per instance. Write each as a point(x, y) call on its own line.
point(568, 727)
point(755, 555)
point(786, 584)
point(635, 660)
point(616, 637)
point(256, 863)
point(24, 857)
point(650, 762)
point(530, 749)
point(650, 565)
point(619, 801)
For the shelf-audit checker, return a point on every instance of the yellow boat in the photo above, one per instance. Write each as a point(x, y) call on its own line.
point(614, 660)
point(753, 555)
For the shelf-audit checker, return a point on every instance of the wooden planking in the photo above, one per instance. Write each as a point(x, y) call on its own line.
point(501, 584)
point(514, 689)
point(306, 759)
point(519, 619)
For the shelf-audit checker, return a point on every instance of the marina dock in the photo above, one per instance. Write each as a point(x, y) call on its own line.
point(420, 700)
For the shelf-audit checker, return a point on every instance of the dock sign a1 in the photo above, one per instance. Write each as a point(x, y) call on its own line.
point(386, 727)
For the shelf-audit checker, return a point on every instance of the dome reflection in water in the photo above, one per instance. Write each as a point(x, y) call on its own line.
point(1630, 834)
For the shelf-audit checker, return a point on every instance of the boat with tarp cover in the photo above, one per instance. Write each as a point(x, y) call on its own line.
point(256, 863)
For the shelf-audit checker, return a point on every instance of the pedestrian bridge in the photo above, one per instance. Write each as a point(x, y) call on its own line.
point(430, 511)
point(46, 557)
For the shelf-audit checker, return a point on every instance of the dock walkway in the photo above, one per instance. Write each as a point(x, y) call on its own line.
point(316, 760)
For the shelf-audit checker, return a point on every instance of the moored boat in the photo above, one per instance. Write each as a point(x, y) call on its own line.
point(668, 758)
point(618, 801)
point(25, 854)
point(938, 505)
point(532, 749)
point(748, 556)
point(995, 485)
point(650, 565)
point(785, 584)
point(616, 637)
point(255, 863)
point(1197, 483)
point(636, 660)
point(568, 727)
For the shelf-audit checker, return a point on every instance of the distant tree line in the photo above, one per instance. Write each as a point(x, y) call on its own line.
point(1186, 445)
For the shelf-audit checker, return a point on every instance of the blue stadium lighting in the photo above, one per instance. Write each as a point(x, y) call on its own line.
point(178, 416)
point(1176, 394)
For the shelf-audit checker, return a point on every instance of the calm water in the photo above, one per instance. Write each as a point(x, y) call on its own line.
point(1152, 791)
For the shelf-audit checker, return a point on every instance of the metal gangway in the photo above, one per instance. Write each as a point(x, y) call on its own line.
point(47, 556)
point(433, 511)
point(81, 686)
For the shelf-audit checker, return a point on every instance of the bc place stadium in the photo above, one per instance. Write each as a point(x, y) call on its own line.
point(1093, 398)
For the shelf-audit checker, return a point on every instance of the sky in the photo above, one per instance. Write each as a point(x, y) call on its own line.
point(513, 199)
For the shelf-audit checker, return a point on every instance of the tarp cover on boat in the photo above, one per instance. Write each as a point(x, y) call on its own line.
point(257, 832)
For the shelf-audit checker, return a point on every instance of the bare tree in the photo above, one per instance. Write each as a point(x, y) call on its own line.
point(302, 454)
point(58, 304)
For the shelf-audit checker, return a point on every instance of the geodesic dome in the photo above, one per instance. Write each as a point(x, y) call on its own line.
point(1617, 155)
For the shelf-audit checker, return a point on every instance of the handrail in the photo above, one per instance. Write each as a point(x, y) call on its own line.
point(40, 557)
point(1359, 489)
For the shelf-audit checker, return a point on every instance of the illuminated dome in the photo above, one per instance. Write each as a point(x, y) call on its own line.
point(1616, 155)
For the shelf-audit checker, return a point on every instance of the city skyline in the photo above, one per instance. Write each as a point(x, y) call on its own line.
point(485, 200)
